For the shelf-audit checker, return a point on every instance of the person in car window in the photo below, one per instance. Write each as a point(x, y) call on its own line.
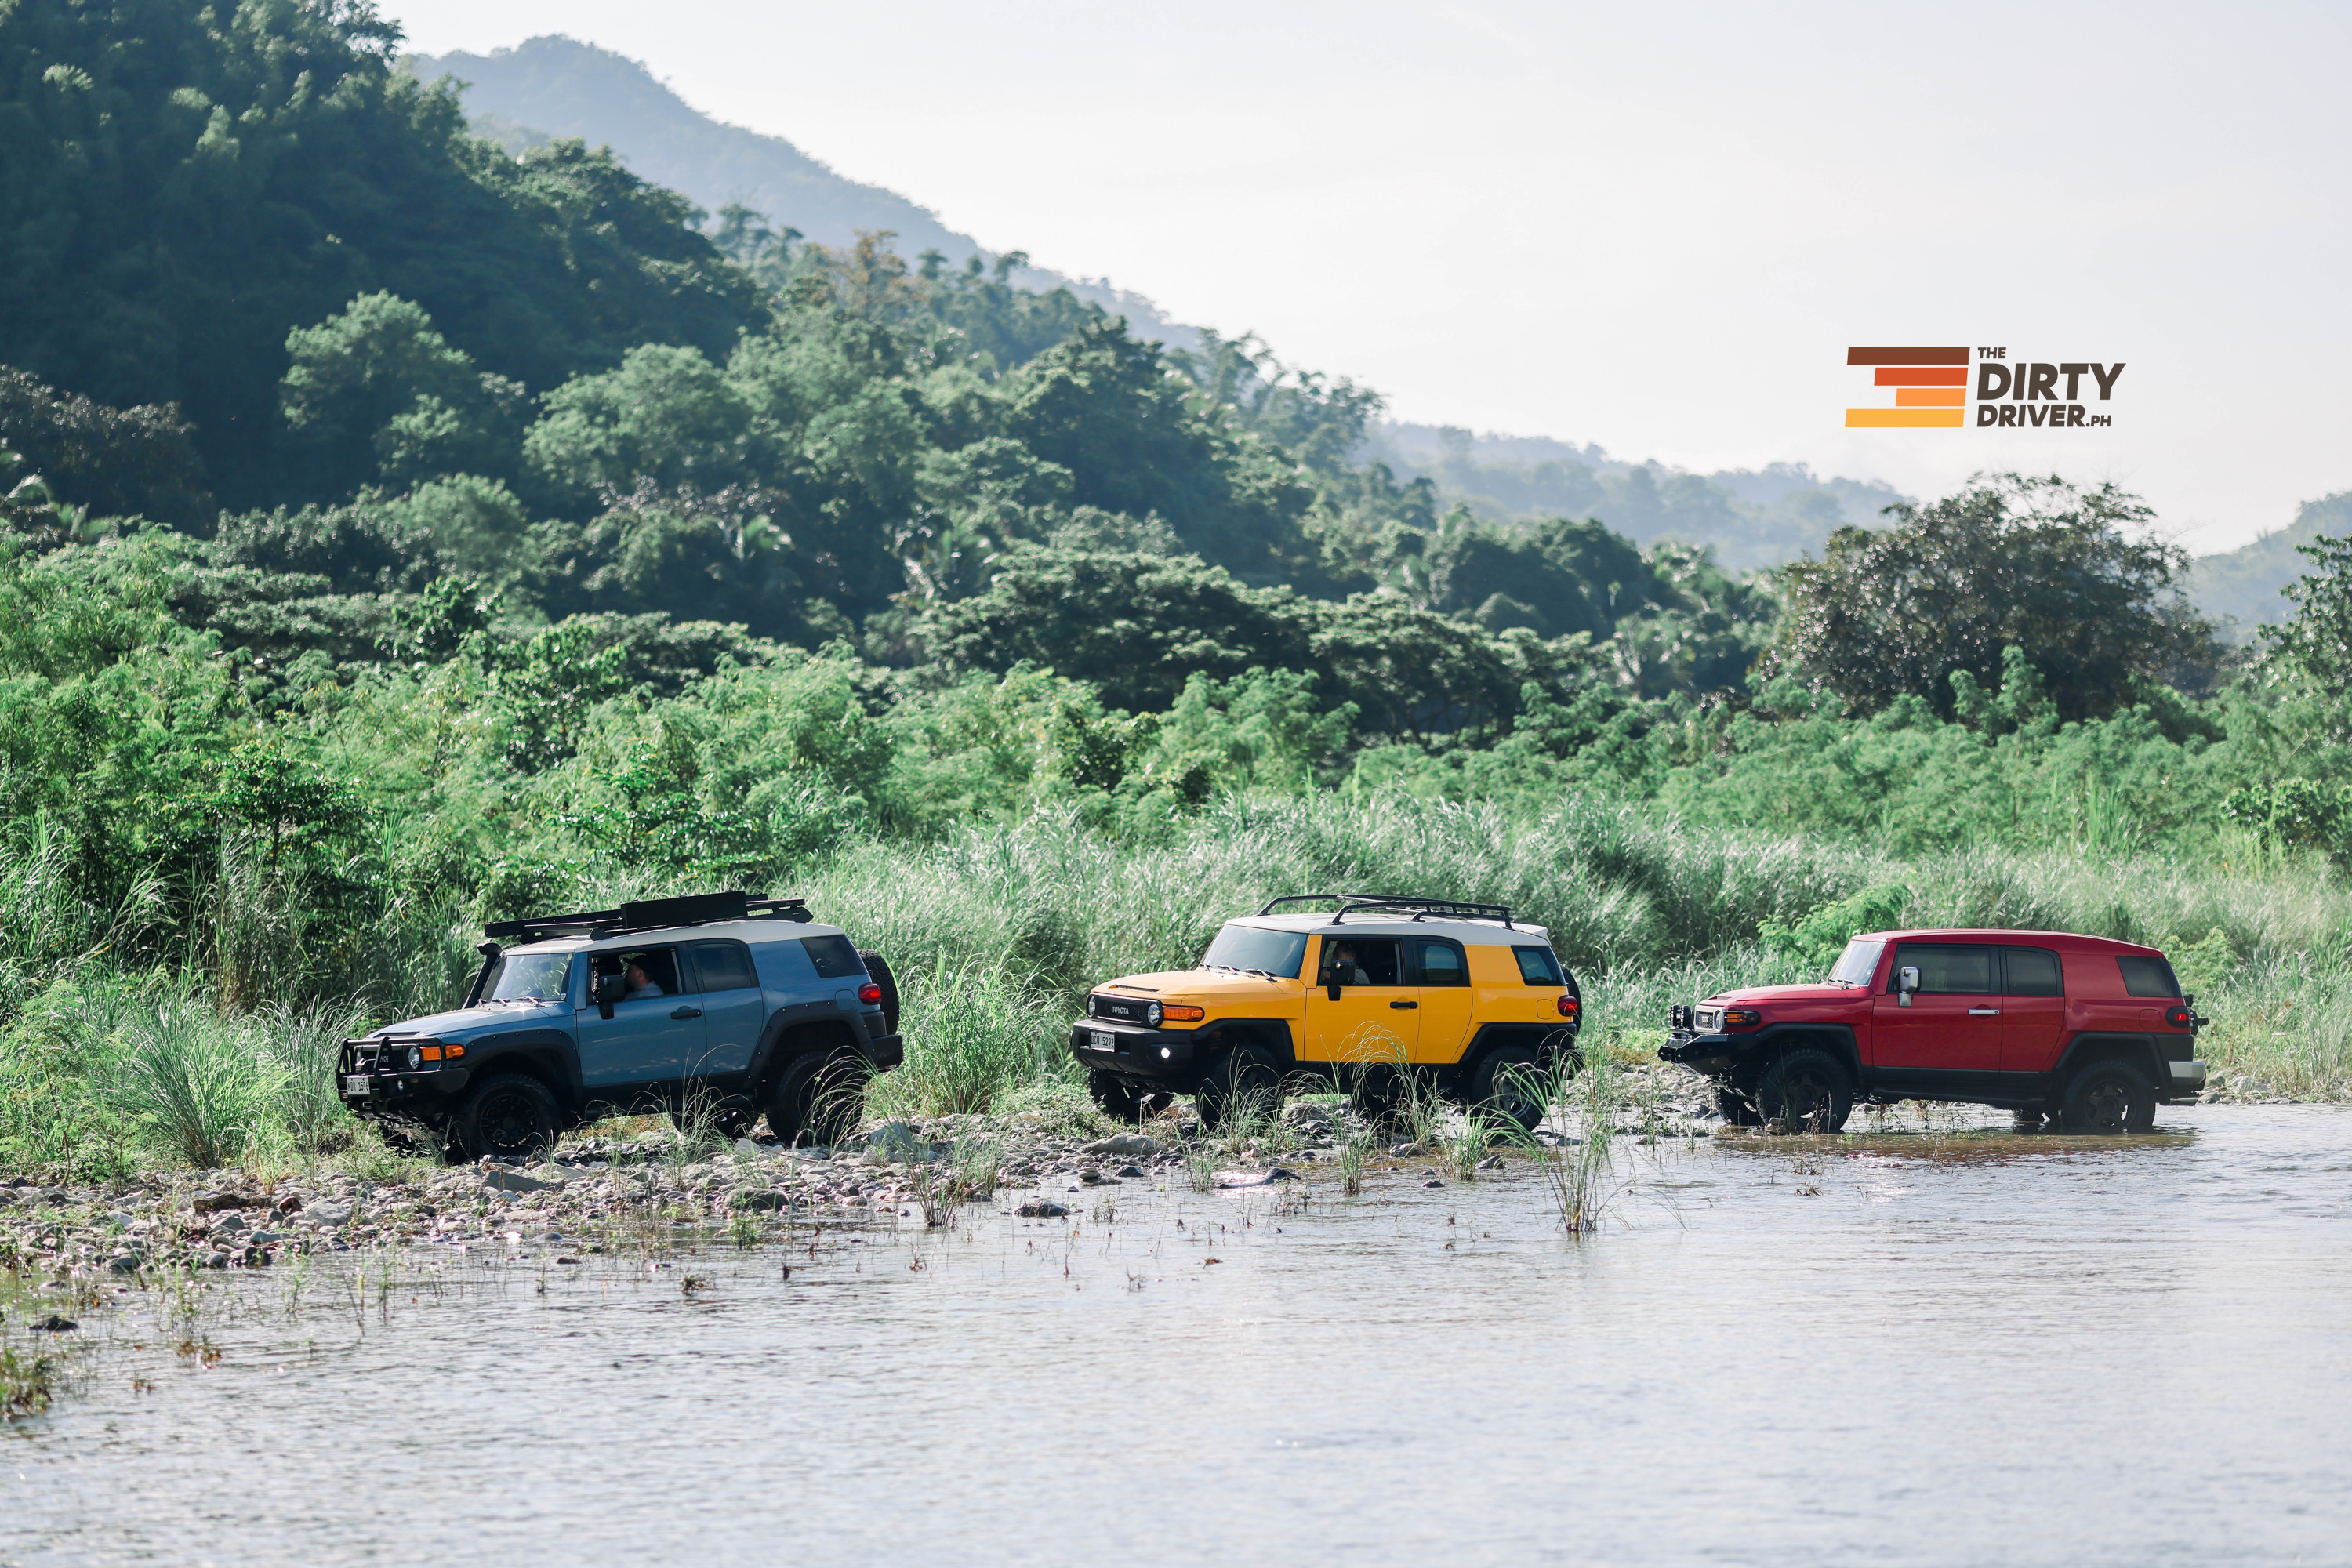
point(1345, 969)
point(641, 985)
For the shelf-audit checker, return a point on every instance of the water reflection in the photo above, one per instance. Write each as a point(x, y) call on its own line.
point(1947, 1344)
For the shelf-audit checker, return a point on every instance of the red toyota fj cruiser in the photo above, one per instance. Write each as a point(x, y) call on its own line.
point(2089, 1031)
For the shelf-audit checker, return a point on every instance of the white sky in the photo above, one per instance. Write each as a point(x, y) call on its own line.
point(1655, 227)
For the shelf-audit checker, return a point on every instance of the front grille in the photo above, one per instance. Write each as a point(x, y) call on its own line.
point(1126, 1010)
point(1711, 1020)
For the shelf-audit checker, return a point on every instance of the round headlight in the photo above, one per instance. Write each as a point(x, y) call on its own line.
point(415, 1059)
point(1152, 1015)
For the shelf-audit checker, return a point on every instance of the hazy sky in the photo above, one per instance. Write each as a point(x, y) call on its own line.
point(1658, 227)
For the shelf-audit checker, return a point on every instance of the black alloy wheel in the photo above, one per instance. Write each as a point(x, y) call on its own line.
point(1246, 1081)
point(1806, 1091)
point(1509, 1084)
point(509, 1116)
point(819, 1097)
point(1123, 1102)
point(2110, 1099)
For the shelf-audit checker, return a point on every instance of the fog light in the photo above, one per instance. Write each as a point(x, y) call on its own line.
point(1163, 1053)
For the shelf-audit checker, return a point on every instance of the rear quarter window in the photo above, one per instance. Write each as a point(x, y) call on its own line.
point(834, 958)
point(2147, 976)
point(1537, 966)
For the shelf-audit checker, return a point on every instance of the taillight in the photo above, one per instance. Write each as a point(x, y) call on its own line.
point(2178, 1017)
point(870, 994)
point(1569, 1007)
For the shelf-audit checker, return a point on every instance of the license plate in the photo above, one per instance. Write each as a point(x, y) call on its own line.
point(1100, 1040)
point(355, 1084)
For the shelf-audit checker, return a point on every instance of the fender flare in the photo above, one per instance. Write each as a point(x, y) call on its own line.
point(1274, 1034)
point(552, 1055)
point(1548, 1041)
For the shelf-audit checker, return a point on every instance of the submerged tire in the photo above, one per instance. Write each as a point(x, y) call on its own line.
point(1246, 1080)
point(2110, 1098)
point(1736, 1109)
point(1806, 1090)
point(508, 1116)
point(1122, 1101)
point(819, 1097)
point(877, 969)
point(1508, 1083)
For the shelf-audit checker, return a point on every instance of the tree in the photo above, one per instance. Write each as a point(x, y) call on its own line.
point(375, 391)
point(2317, 641)
point(2031, 562)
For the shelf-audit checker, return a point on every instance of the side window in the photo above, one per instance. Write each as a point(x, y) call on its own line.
point(1537, 966)
point(1441, 964)
point(1948, 971)
point(2033, 972)
point(834, 956)
point(1362, 961)
point(725, 967)
point(651, 972)
point(2148, 977)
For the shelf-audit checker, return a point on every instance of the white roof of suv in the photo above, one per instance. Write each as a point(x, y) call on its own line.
point(1368, 923)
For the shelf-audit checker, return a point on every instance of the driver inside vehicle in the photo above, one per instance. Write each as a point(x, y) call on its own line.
point(641, 985)
point(1341, 968)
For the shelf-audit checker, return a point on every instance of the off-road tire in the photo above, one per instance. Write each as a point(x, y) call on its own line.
point(878, 968)
point(1508, 1083)
point(1806, 1090)
point(1245, 1075)
point(818, 1098)
point(1122, 1101)
point(1736, 1109)
point(507, 1116)
point(2025, 1122)
point(2110, 1098)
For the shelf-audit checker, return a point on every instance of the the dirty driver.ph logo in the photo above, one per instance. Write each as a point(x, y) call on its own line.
point(1933, 388)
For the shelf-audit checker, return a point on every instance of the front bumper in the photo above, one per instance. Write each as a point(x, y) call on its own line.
point(1155, 1056)
point(412, 1095)
point(1706, 1054)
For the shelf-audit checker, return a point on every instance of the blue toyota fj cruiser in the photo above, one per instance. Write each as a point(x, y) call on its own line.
point(716, 1006)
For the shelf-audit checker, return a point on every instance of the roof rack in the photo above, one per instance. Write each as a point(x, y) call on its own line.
point(1394, 903)
point(653, 914)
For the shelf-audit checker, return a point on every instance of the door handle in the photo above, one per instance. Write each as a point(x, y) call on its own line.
point(1984, 1012)
point(1402, 1005)
point(687, 1013)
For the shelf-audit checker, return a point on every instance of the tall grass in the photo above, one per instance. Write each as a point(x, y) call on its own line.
point(998, 931)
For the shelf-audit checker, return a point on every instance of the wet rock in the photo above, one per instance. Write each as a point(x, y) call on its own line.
point(326, 1213)
point(1432, 1183)
point(500, 1181)
point(214, 1203)
point(1307, 1116)
point(1404, 1150)
point(758, 1202)
point(1091, 1176)
point(1131, 1145)
point(1492, 1162)
point(53, 1324)
point(1128, 1171)
point(128, 1263)
point(1040, 1208)
point(231, 1224)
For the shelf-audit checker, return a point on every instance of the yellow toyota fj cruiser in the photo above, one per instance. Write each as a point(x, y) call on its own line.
point(1454, 995)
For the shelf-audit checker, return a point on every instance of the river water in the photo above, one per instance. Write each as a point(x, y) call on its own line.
point(1964, 1347)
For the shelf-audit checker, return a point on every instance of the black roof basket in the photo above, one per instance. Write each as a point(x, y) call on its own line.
point(1395, 904)
point(653, 914)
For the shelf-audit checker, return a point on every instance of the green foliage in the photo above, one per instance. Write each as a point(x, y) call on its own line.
point(1815, 941)
point(2033, 563)
point(2316, 642)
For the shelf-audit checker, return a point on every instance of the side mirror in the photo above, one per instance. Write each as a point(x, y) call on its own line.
point(1907, 981)
point(1333, 989)
point(609, 988)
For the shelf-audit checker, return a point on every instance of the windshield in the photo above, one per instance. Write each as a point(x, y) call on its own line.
point(530, 977)
point(1857, 963)
point(1276, 953)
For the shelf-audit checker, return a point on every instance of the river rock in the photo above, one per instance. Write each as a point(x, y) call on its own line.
point(501, 1181)
point(1131, 1145)
point(326, 1213)
point(1041, 1208)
